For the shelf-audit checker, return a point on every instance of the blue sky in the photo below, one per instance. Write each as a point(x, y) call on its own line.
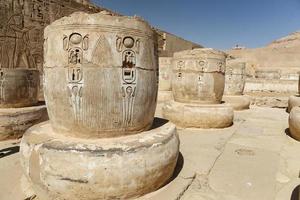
point(217, 23)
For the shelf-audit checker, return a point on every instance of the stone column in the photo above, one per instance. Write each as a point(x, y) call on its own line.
point(235, 79)
point(294, 110)
point(19, 77)
point(198, 79)
point(294, 101)
point(102, 141)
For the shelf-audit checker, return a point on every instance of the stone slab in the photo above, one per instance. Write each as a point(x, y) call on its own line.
point(245, 172)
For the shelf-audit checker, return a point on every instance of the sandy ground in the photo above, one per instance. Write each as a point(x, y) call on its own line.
point(255, 159)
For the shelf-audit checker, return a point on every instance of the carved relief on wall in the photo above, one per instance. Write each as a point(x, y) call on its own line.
point(21, 29)
point(129, 48)
point(75, 45)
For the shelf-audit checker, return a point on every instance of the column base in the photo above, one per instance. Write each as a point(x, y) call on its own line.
point(205, 116)
point(15, 121)
point(66, 168)
point(238, 102)
point(294, 101)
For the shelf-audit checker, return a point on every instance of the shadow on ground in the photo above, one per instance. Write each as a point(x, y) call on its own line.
point(288, 133)
point(295, 193)
point(178, 168)
point(158, 122)
point(9, 151)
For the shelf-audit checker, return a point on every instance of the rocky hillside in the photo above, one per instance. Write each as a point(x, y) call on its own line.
point(282, 55)
point(292, 40)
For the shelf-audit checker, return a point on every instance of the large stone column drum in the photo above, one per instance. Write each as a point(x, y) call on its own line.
point(19, 87)
point(19, 107)
point(198, 76)
point(294, 117)
point(101, 75)
point(294, 101)
point(198, 79)
point(294, 123)
point(235, 79)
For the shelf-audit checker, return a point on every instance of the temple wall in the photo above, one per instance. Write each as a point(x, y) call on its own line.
point(169, 44)
point(21, 28)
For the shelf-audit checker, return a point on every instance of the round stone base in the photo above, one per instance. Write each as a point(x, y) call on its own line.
point(198, 115)
point(294, 123)
point(65, 168)
point(164, 96)
point(293, 102)
point(238, 102)
point(15, 121)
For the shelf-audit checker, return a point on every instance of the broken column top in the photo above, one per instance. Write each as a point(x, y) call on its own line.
point(103, 18)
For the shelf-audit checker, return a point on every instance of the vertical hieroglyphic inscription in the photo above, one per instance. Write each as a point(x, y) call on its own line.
point(75, 45)
point(129, 47)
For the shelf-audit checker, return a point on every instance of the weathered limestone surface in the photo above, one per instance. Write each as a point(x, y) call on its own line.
point(198, 76)
point(294, 101)
point(19, 87)
point(23, 22)
point(22, 26)
point(20, 59)
point(111, 67)
point(252, 164)
point(294, 122)
point(165, 81)
point(165, 73)
point(235, 79)
point(121, 167)
point(198, 79)
point(169, 43)
point(19, 108)
point(238, 102)
point(15, 121)
point(267, 74)
point(258, 134)
point(199, 115)
point(281, 55)
point(270, 92)
point(271, 85)
point(101, 83)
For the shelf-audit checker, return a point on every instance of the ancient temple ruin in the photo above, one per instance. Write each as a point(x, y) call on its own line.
point(132, 111)
point(101, 93)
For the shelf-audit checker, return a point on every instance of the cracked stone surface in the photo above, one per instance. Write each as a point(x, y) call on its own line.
point(253, 159)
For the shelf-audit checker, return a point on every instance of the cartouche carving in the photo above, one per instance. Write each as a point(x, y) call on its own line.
point(129, 78)
point(75, 45)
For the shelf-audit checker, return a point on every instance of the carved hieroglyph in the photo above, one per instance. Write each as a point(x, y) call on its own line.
point(99, 75)
point(198, 76)
point(21, 29)
point(235, 78)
